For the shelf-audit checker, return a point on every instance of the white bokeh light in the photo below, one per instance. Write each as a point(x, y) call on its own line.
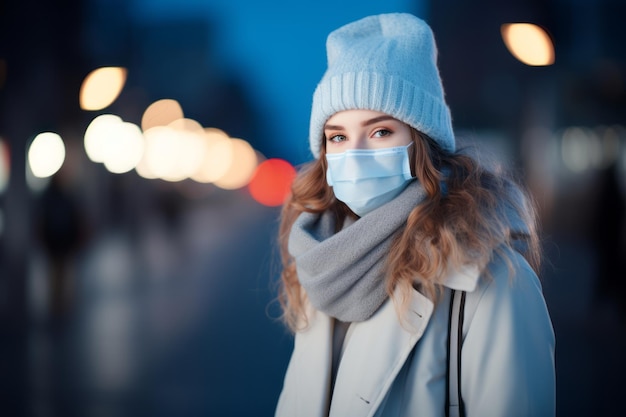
point(98, 134)
point(161, 153)
point(190, 146)
point(46, 154)
point(124, 148)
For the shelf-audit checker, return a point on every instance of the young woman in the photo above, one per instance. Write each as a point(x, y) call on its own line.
point(392, 240)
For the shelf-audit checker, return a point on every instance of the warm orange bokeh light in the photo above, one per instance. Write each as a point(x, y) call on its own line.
point(161, 113)
point(271, 183)
point(101, 87)
point(242, 166)
point(528, 43)
point(5, 165)
point(218, 156)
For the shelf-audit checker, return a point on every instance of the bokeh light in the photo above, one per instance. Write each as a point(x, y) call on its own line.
point(190, 147)
point(101, 87)
point(186, 124)
point(160, 154)
point(98, 134)
point(271, 183)
point(142, 168)
point(242, 167)
point(586, 149)
point(577, 149)
point(610, 146)
point(218, 156)
point(5, 165)
point(528, 43)
point(161, 113)
point(124, 148)
point(46, 154)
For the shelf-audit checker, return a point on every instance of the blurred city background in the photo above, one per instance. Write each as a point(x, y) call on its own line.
point(146, 145)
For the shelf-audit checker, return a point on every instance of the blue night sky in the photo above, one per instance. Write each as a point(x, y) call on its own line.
point(276, 48)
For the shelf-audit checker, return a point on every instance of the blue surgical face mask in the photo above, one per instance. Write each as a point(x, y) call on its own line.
point(365, 179)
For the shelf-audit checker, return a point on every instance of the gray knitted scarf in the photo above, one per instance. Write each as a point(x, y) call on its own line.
point(343, 273)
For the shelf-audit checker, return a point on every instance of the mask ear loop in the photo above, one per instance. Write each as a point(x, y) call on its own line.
point(334, 157)
point(406, 163)
point(329, 178)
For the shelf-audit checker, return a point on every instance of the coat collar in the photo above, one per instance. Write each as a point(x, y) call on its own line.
point(464, 278)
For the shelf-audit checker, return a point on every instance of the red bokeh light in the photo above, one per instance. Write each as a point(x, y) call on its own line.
point(271, 183)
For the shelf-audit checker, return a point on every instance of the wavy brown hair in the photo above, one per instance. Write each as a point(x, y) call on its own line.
point(470, 215)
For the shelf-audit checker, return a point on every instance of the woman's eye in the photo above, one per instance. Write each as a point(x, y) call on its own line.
point(337, 138)
point(382, 133)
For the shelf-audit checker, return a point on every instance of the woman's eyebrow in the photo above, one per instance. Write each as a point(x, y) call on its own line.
point(364, 123)
point(333, 127)
point(377, 119)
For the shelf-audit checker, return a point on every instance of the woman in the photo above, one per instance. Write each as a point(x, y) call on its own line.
point(382, 227)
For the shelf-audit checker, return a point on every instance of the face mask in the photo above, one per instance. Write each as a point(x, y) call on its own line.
point(365, 179)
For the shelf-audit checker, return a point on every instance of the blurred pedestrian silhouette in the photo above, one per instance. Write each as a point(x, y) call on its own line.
point(60, 230)
point(609, 241)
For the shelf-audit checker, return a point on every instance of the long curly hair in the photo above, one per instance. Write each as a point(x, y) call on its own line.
point(465, 219)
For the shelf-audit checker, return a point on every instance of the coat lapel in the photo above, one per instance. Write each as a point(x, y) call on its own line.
point(374, 354)
point(313, 355)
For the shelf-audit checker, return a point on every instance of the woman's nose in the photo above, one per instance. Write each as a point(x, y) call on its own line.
point(358, 142)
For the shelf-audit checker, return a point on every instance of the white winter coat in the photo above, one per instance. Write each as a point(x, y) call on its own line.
point(387, 370)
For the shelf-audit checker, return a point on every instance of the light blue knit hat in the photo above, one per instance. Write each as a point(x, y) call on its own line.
point(385, 63)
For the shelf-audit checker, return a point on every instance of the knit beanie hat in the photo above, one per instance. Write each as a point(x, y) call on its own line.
point(385, 63)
